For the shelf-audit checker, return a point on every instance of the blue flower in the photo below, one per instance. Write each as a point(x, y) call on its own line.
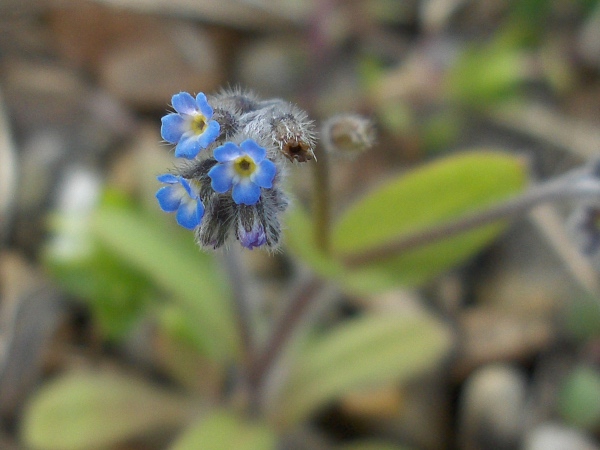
point(190, 127)
point(179, 196)
point(244, 168)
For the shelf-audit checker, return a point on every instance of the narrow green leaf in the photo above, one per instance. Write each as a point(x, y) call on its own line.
point(224, 431)
point(174, 264)
point(85, 410)
point(360, 353)
point(486, 76)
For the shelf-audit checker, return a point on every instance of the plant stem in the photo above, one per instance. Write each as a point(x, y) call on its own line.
point(283, 331)
point(243, 313)
point(571, 185)
point(322, 204)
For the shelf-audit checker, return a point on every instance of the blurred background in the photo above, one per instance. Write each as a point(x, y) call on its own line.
point(83, 85)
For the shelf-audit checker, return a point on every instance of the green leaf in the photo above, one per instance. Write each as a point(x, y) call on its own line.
point(176, 265)
point(223, 430)
point(360, 353)
point(579, 398)
point(582, 317)
point(483, 77)
point(117, 294)
point(444, 190)
point(180, 326)
point(300, 240)
point(85, 410)
point(416, 266)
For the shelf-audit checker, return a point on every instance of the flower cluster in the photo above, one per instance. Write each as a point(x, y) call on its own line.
point(235, 148)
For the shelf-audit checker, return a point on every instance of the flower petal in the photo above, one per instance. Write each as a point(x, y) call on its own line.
point(264, 174)
point(188, 188)
point(188, 147)
point(210, 134)
point(252, 149)
point(190, 214)
point(221, 178)
point(184, 103)
point(246, 192)
point(168, 178)
point(173, 126)
point(227, 152)
point(203, 105)
point(169, 197)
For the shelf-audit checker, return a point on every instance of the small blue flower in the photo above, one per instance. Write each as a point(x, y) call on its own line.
point(245, 168)
point(253, 238)
point(190, 126)
point(179, 196)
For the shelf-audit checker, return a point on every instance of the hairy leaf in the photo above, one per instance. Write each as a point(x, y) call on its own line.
point(176, 265)
point(360, 353)
point(224, 431)
point(85, 410)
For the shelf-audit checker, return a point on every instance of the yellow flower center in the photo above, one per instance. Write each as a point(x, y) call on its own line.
point(195, 184)
point(244, 166)
point(199, 124)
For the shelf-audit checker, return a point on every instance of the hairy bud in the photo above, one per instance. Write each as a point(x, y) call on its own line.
point(348, 135)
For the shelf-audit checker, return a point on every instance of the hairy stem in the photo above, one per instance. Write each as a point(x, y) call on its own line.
point(284, 329)
point(322, 204)
point(242, 310)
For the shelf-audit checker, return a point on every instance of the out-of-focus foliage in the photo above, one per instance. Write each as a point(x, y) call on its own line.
point(223, 430)
point(367, 351)
point(579, 399)
point(484, 76)
point(583, 318)
point(372, 445)
point(95, 410)
point(129, 257)
point(189, 276)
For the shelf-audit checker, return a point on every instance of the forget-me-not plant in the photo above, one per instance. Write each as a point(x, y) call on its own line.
point(237, 146)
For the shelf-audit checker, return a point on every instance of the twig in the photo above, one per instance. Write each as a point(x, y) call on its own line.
point(548, 221)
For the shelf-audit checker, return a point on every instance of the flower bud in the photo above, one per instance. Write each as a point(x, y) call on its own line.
point(219, 216)
point(229, 106)
point(287, 126)
point(348, 135)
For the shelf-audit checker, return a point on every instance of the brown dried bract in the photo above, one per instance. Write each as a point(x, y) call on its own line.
point(295, 150)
